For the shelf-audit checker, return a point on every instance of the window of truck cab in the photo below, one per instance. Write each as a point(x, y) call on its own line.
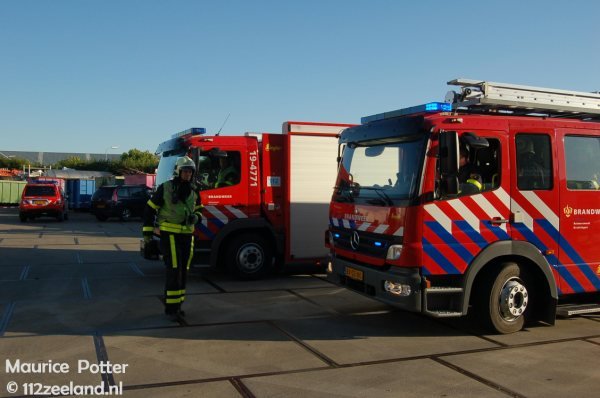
point(218, 169)
point(381, 173)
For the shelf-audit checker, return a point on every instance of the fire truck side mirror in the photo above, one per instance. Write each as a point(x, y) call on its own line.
point(448, 161)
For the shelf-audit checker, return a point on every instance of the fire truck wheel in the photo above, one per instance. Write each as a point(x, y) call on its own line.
point(505, 299)
point(248, 256)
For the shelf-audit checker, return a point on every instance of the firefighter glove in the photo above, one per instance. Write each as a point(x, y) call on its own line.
point(192, 219)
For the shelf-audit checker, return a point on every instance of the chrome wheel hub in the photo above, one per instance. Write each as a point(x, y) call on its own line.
point(250, 257)
point(513, 299)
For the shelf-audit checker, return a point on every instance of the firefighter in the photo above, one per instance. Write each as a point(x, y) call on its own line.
point(227, 175)
point(177, 209)
point(469, 180)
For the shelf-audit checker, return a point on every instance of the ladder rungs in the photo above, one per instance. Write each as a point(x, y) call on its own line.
point(532, 100)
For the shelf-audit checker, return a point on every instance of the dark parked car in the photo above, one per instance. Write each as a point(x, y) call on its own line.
point(43, 199)
point(123, 201)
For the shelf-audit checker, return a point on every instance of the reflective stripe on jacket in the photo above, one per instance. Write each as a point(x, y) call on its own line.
point(173, 217)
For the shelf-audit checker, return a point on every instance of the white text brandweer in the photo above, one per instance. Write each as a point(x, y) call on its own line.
point(586, 212)
point(354, 217)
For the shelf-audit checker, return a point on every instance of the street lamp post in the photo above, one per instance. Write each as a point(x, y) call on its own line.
point(106, 152)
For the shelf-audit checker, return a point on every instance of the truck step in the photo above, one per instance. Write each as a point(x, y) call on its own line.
point(444, 314)
point(565, 311)
point(443, 290)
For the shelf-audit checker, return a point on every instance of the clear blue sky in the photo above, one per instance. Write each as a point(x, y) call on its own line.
point(83, 75)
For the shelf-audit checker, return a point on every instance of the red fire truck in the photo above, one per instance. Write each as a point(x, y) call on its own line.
point(489, 202)
point(265, 196)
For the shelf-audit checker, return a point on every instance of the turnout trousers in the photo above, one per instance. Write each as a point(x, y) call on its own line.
point(177, 252)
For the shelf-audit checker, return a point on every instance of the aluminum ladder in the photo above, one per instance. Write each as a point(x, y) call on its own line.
point(484, 97)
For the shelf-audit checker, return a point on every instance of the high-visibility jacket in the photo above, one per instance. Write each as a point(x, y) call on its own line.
point(226, 177)
point(172, 215)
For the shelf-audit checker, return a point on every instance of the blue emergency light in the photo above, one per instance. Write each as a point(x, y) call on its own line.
point(425, 108)
point(190, 132)
point(378, 244)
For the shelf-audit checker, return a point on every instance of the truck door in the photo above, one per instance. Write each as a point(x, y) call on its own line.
point(534, 192)
point(477, 217)
point(224, 179)
point(579, 156)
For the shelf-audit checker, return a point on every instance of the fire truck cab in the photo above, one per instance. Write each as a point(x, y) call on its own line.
point(265, 196)
point(489, 202)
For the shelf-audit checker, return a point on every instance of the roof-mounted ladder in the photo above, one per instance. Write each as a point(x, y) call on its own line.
point(485, 97)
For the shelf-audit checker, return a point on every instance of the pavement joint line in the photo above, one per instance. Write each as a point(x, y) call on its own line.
point(241, 388)
point(118, 247)
point(4, 321)
point(222, 378)
point(24, 273)
point(306, 346)
point(480, 379)
point(219, 288)
point(102, 356)
point(87, 293)
point(264, 290)
point(330, 310)
point(591, 341)
point(489, 340)
point(136, 269)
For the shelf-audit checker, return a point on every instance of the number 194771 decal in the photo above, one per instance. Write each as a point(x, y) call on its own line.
point(253, 169)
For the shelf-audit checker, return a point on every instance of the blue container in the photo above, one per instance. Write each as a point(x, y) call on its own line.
point(80, 193)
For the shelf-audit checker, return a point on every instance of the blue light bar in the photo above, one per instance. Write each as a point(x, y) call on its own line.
point(336, 235)
point(429, 107)
point(378, 244)
point(191, 131)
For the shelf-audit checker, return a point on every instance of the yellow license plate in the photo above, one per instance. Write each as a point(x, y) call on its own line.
point(355, 274)
point(39, 202)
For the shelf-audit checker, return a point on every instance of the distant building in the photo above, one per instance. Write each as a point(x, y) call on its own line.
point(48, 158)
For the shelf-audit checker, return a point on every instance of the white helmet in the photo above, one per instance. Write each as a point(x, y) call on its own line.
point(184, 163)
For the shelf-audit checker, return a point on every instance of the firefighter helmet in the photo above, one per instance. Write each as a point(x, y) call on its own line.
point(184, 163)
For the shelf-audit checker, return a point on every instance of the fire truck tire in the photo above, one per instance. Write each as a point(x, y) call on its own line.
point(504, 299)
point(248, 256)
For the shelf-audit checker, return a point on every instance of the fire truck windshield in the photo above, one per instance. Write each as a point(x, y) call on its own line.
point(380, 174)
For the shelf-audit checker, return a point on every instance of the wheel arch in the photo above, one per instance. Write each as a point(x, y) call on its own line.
point(525, 255)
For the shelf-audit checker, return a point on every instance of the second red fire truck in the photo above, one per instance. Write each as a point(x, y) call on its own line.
point(489, 202)
point(265, 196)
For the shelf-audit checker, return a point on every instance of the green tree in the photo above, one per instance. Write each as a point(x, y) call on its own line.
point(13, 163)
point(139, 160)
point(72, 162)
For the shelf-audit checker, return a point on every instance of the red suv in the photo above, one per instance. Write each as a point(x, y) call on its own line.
point(43, 199)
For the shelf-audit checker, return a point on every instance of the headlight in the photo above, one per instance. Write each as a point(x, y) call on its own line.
point(397, 289)
point(394, 252)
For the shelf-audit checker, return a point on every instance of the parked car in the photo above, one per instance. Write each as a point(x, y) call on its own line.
point(43, 198)
point(122, 201)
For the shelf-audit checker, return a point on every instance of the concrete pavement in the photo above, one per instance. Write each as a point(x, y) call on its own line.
point(79, 290)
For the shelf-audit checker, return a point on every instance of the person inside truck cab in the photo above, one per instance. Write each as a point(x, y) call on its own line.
point(469, 180)
point(530, 173)
point(228, 174)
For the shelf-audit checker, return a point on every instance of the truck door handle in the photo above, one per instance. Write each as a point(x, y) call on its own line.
point(498, 220)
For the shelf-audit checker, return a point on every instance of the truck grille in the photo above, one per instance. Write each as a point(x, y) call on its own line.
point(370, 244)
